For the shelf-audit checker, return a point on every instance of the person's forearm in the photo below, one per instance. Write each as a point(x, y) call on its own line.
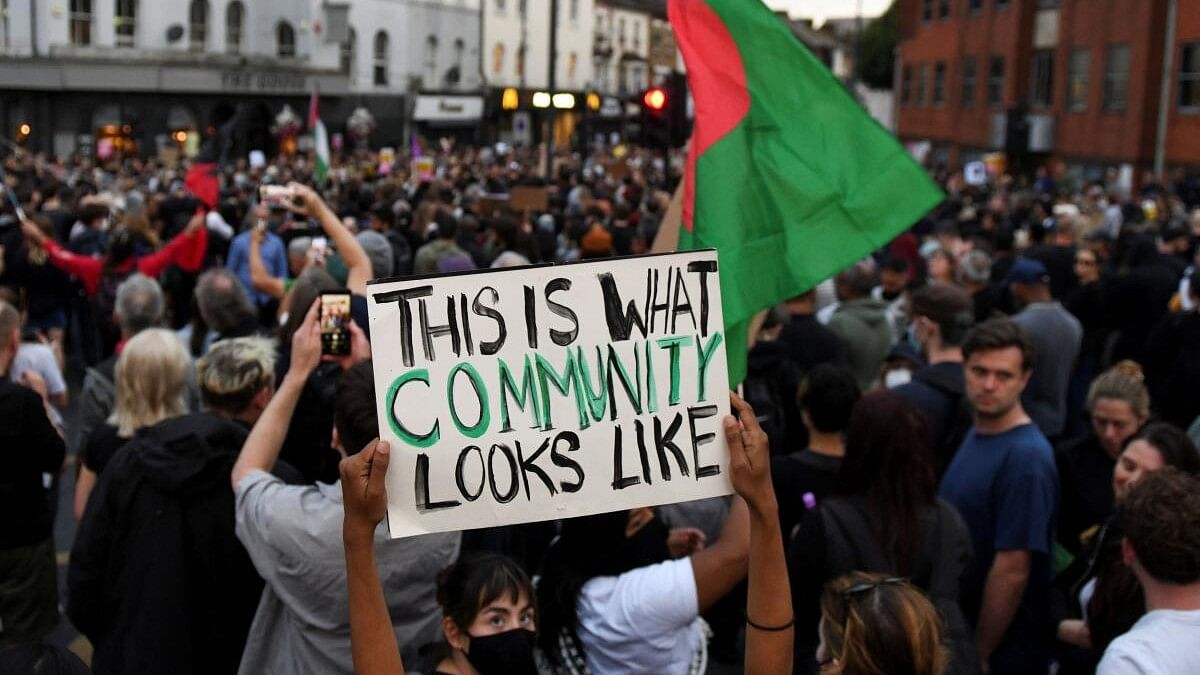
point(372, 640)
point(769, 596)
point(266, 438)
point(260, 278)
point(358, 265)
point(1001, 597)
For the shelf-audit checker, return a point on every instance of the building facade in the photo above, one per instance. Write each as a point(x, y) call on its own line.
point(1086, 77)
point(142, 73)
point(621, 51)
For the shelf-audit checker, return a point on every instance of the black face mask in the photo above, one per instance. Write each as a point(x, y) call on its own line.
point(507, 653)
point(647, 546)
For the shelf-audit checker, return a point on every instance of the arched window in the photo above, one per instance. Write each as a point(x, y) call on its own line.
point(81, 22)
point(382, 50)
point(521, 61)
point(235, 17)
point(198, 25)
point(285, 40)
point(572, 64)
point(498, 58)
point(459, 48)
point(349, 58)
point(125, 22)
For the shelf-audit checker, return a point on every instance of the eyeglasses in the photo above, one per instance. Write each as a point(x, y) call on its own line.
point(859, 589)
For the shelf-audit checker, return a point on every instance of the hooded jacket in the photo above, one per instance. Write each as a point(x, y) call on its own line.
point(157, 580)
point(863, 326)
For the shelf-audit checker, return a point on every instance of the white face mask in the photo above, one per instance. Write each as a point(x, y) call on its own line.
point(895, 378)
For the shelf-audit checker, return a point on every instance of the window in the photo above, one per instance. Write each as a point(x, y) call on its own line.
point(1189, 78)
point(521, 62)
point(81, 22)
point(285, 40)
point(637, 36)
point(943, 9)
point(995, 91)
point(974, 6)
point(497, 58)
point(1001, 4)
point(235, 16)
point(1042, 81)
point(968, 82)
point(431, 45)
point(922, 84)
point(459, 48)
point(125, 23)
point(1077, 80)
point(906, 85)
point(198, 25)
point(1116, 78)
point(939, 83)
point(621, 32)
point(574, 11)
point(348, 58)
point(572, 62)
point(382, 52)
point(499, 6)
point(927, 10)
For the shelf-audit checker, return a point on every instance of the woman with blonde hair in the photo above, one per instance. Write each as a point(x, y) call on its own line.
point(1118, 405)
point(151, 381)
point(877, 625)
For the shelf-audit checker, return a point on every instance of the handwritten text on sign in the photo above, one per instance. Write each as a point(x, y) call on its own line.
point(550, 392)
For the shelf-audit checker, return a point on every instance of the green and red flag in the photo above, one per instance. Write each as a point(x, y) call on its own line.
point(787, 176)
point(320, 139)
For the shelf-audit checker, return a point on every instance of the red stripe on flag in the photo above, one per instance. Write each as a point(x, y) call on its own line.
point(718, 84)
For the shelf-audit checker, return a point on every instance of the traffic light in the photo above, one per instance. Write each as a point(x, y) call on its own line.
point(656, 118)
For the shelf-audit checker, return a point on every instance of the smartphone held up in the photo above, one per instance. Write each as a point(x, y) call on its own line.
point(335, 323)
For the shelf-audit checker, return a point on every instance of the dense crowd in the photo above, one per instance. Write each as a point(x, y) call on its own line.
point(972, 451)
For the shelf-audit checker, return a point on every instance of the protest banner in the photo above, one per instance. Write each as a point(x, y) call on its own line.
point(529, 198)
point(552, 391)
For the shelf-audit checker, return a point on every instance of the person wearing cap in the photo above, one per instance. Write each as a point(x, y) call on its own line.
point(1056, 336)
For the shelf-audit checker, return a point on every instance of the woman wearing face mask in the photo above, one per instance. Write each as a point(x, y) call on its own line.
point(1097, 597)
point(1118, 405)
point(489, 620)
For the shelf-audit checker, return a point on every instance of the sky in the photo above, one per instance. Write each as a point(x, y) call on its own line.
point(819, 10)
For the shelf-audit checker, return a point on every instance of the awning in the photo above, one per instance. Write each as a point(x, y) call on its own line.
point(448, 109)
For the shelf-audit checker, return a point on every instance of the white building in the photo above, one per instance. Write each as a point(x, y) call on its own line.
point(516, 44)
point(621, 58)
point(139, 70)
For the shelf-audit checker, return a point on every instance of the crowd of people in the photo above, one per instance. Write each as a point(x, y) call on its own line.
point(975, 450)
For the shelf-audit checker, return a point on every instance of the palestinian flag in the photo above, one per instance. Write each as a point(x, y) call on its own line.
point(787, 176)
point(320, 139)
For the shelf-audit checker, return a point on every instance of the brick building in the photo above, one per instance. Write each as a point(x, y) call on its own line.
point(1086, 76)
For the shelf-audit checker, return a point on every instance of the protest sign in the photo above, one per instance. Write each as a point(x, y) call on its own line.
point(422, 168)
point(529, 198)
point(552, 391)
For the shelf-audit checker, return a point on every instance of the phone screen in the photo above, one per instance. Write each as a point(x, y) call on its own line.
point(335, 323)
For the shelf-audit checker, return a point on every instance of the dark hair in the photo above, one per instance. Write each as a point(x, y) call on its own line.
point(1174, 446)
point(895, 263)
point(858, 279)
point(888, 459)
point(92, 212)
point(875, 625)
point(477, 580)
point(828, 394)
point(33, 658)
point(949, 307)
point(447, 224)
point(996, 334)
point(1159, 517)
point(354, 414)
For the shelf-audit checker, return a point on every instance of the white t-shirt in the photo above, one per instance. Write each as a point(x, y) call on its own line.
point(1162, 642)
point(40, 359)
point(644, 621)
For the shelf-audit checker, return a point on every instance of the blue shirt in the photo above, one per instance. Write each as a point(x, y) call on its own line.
point(274, 258)
point(1005, 486)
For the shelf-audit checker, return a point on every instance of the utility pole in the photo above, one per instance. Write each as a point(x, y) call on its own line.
point(1164, 94)
point(551, 84)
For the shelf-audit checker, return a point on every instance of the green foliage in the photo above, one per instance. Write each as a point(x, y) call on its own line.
point(878, 49)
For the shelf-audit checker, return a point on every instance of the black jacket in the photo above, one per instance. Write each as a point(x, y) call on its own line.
point(158, 581)
point(29, 447)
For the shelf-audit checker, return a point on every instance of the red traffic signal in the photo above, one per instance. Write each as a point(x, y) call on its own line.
point(655, 99)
